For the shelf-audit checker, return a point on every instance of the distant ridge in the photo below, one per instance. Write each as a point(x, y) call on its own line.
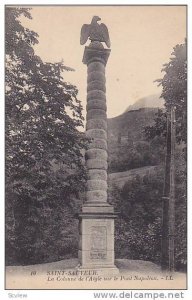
point(151, 101)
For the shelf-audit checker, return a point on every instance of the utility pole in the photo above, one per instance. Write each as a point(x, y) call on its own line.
point(172, 195)
point(168, 218)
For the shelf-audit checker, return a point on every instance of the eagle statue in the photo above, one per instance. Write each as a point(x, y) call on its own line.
point(95, 32)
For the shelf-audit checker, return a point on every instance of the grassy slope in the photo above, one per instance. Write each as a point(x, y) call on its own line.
point(120, 178)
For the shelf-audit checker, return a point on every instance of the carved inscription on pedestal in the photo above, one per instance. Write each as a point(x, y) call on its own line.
point(98, 242)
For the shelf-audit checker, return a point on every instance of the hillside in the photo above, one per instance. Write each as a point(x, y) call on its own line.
point(130, 124)
point(153, 101)
point(120, 178)
point(127, 145)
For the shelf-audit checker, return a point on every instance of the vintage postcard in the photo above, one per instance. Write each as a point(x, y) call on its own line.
point(96, 147)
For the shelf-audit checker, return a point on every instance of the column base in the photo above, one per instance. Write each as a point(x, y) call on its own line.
point(96, 247)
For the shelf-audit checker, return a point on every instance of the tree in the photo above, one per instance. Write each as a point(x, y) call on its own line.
point(174, 84)
point(138, 225)
point(44, 165)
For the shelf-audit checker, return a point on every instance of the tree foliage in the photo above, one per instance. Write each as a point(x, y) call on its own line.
point(138, 226)
point(174, 92)
point(174, 85)
point(44, 165)
point(136, 155)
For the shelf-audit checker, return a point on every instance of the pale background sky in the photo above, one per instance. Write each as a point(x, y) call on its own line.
point(142, 39)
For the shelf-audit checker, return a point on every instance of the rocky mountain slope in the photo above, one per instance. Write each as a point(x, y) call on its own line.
point(127, 145)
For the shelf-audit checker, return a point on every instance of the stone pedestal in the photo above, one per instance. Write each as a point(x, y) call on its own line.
point(97, 241)
point(96, 246)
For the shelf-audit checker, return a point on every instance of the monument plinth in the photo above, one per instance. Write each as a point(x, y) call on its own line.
point(96, 246)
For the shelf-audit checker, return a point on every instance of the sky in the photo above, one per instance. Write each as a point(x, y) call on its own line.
point(142, 40)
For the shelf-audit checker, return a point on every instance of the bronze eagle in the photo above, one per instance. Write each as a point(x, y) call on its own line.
point(95, 32)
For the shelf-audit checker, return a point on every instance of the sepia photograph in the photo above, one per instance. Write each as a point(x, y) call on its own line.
point(96, 147)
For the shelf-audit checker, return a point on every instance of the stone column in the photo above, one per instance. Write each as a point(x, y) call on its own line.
point(96, 247)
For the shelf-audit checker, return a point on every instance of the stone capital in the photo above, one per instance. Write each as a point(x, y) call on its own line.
point(92, 54)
